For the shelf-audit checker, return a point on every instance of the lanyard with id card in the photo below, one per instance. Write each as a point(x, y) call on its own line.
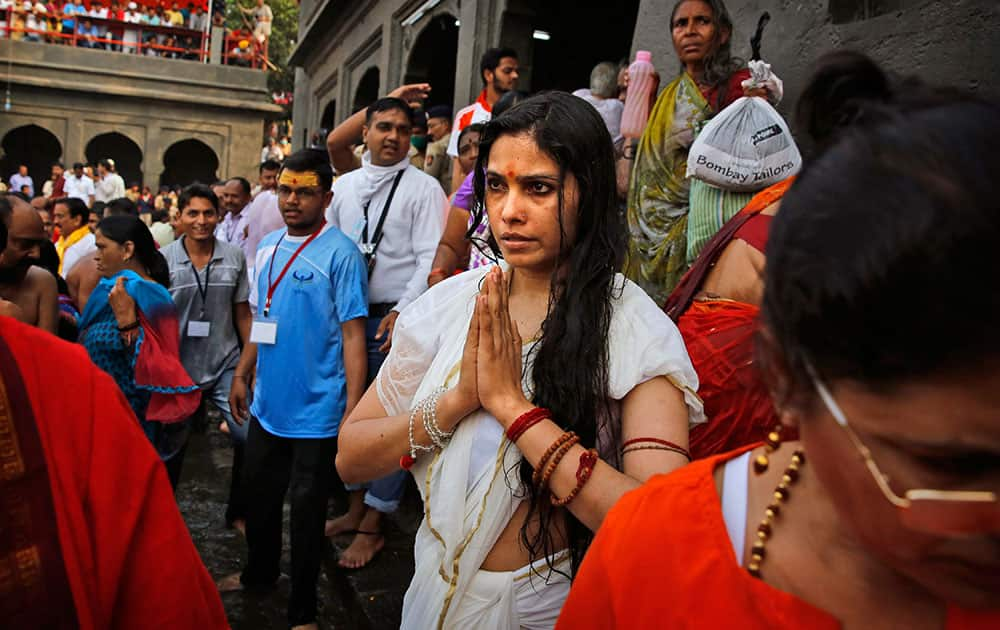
point(369, 247)
point(200, 327)
point(264, 330)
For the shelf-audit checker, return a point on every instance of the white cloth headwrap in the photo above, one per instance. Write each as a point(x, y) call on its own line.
point(376, 176)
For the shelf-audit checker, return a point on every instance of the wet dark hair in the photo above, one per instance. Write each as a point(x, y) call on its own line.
point(200, 191)
point(388, 104)
point(122, 205)
point(75, 207)
point(721, 64)
point(314, 160)
point(572, 133)
point(491, 60)
point(875, 260)
point(244, 184)
point(123, 228)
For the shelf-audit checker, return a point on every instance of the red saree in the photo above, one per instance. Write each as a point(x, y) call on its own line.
point(110, 550)
point(663, 559)
point(719, 335)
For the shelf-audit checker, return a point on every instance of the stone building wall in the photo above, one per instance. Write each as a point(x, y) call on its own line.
point(955, 42)
point(77, 95)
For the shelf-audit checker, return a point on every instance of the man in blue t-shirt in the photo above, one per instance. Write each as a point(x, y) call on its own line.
point(306, 365)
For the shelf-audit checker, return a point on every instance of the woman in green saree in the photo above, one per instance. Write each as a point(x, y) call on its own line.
point(658, 195)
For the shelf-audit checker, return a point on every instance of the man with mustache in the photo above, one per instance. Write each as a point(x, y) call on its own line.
point(395, 213)
point(32, 289)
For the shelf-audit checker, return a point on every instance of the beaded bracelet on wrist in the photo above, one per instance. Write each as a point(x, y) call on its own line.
point(557, 457)
point(536, 477)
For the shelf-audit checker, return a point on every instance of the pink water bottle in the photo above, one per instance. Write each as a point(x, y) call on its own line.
point(640, 87)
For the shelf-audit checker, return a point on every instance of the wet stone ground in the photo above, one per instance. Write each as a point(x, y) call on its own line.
point(370, 598)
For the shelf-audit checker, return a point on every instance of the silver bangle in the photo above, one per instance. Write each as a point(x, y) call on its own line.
point(414, 447)
point(429, 408)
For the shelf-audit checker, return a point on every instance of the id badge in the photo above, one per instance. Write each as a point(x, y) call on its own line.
point(198, 329)
point(264, 331)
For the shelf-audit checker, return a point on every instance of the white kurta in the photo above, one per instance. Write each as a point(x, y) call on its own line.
point(467, 487)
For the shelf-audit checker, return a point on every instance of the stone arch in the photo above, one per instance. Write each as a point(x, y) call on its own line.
point(366, 92)
point(572, 37)
point(433, 58)
point(120, 148)
point(188, 161)
point(329, 118)
point(34, 146)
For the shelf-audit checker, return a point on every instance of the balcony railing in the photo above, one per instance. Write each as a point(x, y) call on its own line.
point(172, 42)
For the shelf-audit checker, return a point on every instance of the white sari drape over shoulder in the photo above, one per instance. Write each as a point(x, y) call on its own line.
point(471, 488)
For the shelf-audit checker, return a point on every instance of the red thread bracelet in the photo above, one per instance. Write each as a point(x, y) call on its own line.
point(525, 421)
point(675, 447)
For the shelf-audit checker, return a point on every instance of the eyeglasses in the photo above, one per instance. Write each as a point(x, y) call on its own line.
point(941, 512)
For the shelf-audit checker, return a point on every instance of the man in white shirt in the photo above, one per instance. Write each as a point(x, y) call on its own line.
point(130, 37)
point(234, 200)
point(79, 186)
point(76, 241)
point(20, 179)
point(603, 95)
point(263, 17)
point(499, 71)
point(263, 216)
point(395, 213)
point(109, 184)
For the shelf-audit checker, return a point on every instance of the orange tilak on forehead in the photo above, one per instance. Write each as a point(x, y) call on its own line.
point(298, 178)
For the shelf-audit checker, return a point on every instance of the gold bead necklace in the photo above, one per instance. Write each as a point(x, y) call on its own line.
point(781, 495)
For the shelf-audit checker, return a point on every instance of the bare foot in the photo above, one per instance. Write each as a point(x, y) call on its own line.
point(362, 549)
point(343, 524)
point(224, 427)
point(229, 583)
point(240, 525)
point(306, 626)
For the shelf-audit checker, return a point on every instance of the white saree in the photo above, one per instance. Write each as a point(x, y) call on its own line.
point(472, 488)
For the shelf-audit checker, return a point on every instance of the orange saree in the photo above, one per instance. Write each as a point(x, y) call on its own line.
point(92, 536)
point(663, 559)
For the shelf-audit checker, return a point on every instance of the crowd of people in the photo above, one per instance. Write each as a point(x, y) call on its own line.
point(160, 29)
point(795, 427)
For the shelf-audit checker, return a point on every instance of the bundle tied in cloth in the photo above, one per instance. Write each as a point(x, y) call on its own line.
point(747, 146)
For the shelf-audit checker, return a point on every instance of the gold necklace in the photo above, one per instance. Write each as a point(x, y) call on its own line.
point(781, 495)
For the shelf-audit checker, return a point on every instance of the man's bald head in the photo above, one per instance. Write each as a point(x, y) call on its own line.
point(25, 233)
point(25, 216)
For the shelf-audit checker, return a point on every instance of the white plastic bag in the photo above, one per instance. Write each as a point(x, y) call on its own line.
point(746, 147)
